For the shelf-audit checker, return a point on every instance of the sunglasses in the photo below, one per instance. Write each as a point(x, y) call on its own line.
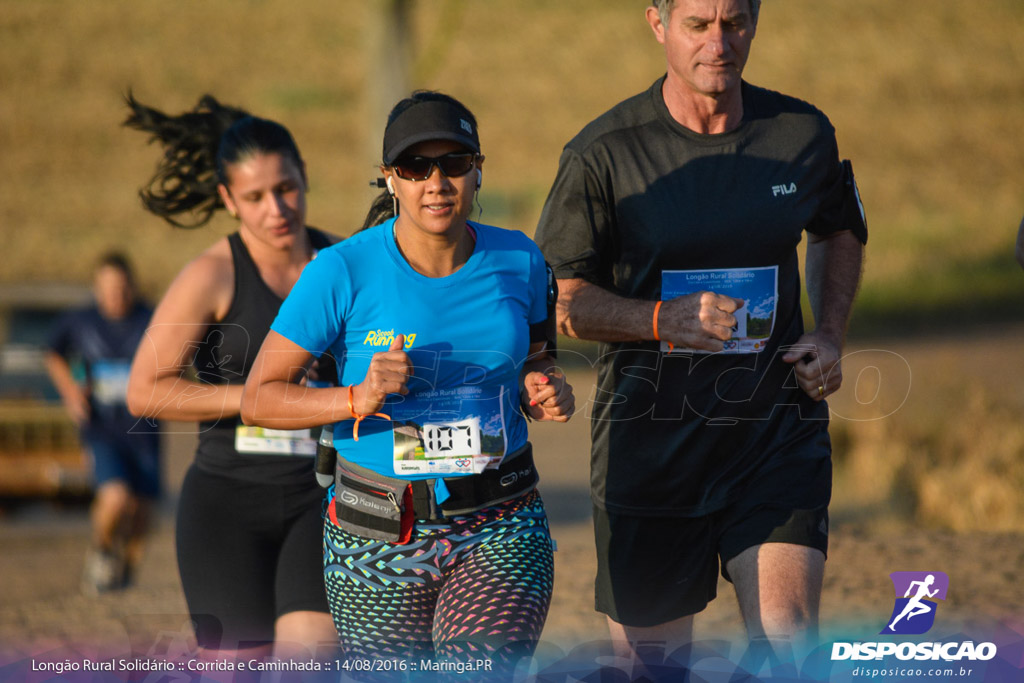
point(419, 168)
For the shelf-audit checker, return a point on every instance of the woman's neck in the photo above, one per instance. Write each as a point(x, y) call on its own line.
point(298, 252)
point(434, 255)
point(279, 267)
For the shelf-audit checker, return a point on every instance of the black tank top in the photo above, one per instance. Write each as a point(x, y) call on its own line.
point(225, 357)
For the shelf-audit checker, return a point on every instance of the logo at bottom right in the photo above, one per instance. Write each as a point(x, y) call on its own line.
point(915, 606)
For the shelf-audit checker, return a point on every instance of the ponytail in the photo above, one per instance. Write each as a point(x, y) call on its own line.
point(199, 146)
point(382, 208)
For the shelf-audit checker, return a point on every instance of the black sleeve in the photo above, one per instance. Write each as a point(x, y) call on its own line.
point(841, 207)
point(62, 340)
point(547, 330)
point(853, 207)
point(575, 226)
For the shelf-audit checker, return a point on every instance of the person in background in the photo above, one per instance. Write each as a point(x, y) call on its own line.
point(125, 460)
point(672, 228)
point(248, 528)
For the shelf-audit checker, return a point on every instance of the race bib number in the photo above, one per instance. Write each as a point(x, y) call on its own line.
point(110, 381)
point(755, 320)
point(263, 441)
point(448, 432)
point(459, 439)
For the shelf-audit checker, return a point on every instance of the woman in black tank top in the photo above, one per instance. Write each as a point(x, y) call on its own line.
point(249, 524)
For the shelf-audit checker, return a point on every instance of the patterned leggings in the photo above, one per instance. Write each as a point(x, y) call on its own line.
point(475, 587)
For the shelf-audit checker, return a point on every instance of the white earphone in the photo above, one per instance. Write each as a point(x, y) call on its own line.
point(391, 188)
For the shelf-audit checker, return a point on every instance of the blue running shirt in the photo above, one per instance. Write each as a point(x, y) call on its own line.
point(466, 334)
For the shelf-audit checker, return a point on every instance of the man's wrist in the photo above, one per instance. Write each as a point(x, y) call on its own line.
point(832, 334)
point(654, 320)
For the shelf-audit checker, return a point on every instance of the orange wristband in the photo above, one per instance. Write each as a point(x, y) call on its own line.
point(657, 308)
point(357, 417)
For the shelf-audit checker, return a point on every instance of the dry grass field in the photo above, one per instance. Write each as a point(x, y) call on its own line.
point(927, 98)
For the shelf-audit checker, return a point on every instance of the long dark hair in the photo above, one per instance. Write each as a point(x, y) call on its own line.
point(383, 206)
point(199, 146)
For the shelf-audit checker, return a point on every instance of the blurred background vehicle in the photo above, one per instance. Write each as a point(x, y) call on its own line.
point(40, 452)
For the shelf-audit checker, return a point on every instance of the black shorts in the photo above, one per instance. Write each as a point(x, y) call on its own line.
point(651, 570)
point(247, 554)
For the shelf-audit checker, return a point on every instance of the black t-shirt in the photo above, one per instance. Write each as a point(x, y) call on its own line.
point(636, 194)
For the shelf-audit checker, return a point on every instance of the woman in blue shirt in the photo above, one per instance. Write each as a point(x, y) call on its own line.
point(436, 542)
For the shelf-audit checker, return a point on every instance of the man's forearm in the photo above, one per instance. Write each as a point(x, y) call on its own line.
point(833, 275)
point(587, 311)
point(60, 374)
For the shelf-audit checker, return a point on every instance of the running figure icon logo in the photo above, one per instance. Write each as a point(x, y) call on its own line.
point(914, 612)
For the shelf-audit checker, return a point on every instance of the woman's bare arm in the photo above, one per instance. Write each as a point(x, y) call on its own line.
point(156, 386)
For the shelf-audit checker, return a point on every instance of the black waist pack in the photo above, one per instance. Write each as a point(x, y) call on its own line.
point(374, 506)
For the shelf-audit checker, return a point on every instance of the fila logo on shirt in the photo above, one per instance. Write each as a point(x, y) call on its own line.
point(783, 189)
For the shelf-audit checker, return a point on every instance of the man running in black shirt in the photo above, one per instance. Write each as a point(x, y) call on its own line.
point(672, 228)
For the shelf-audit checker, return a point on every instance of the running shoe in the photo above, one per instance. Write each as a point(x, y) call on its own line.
point(103, 572)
